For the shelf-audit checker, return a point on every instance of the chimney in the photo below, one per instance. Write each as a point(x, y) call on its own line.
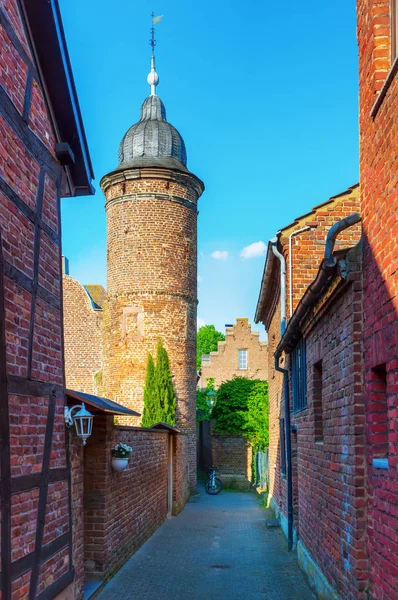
point(65, 266)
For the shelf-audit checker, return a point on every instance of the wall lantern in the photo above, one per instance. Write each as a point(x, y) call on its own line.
point(83, 421)
point(211, 398)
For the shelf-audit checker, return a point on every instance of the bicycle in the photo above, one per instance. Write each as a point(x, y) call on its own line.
point(213, 483)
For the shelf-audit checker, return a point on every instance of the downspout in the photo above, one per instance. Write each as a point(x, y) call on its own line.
point(286, 395)
point(289, 474)
point(291, 266)
point(280, 257)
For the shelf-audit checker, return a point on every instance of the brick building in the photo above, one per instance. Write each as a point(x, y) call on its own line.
point(151, 215)
point(315, 496)
point(43, 156)
point(240, 355)
point(377, 33)
point(334, 453)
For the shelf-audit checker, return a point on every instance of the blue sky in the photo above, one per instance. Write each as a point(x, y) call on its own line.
point(265, 96)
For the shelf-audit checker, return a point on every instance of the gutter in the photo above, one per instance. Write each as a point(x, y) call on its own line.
point(289, 474)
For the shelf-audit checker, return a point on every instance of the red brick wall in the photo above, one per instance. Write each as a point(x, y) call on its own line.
point(277, 487)
point(76, 449)
point(123, 509)
point(31, 353)
point(331, 473)
point(83, 339)
point(231, 455)
point(379, 183)
point(308, 247)
point(180, 473)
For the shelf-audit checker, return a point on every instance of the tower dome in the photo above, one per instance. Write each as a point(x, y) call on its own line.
point(153, 141)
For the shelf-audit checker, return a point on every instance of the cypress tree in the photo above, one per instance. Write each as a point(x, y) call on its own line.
point(151, 402)
point(164, 386)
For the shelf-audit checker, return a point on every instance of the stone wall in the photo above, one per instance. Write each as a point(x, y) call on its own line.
point(83, 338)
point(378, 111)
point(222, 365)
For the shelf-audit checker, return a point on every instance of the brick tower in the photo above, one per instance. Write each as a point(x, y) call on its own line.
point(151, 211)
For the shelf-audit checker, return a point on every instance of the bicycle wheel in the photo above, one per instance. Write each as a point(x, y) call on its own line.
point(214, 489)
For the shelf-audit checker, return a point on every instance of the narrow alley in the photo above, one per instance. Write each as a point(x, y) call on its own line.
point(218, 547)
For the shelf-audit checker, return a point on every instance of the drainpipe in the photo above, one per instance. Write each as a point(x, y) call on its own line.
point(291, 266)
point(289, 474)
point(280, 257)
point(282, 261)
point(335, 230)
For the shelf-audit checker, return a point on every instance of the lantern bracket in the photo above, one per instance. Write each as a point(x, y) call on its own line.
point(68, 414)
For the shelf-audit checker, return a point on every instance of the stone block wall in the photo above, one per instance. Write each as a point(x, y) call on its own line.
point(222, 365)
point(378, 112)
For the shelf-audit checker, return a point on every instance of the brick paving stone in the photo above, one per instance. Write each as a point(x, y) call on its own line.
point(218, 547)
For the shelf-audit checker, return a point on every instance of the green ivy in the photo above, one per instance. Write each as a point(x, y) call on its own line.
point(242, 409)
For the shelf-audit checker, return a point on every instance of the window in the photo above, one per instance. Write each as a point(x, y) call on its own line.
point(299, 376)
point(282, 445)
point(242, 359)
point(318, 404)
point(394, 29)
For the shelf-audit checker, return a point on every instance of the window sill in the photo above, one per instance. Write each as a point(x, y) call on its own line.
point(384, 89)
point(299, 410)
point(380, 463)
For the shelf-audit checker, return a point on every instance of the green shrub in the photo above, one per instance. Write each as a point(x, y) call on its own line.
point(242, 409)
point(159, 397)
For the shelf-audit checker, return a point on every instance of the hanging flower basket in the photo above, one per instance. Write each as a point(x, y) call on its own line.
point(119, 464)
point(120, 456)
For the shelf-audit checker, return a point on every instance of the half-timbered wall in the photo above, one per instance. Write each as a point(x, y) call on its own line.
point(36, 549)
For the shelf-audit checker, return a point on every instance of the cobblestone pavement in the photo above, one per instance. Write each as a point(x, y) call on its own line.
point(217, 548)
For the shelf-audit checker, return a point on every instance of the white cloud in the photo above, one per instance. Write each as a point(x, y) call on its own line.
point(219, 255)
point(200, 278)
point(200, 322)
point(254, 250)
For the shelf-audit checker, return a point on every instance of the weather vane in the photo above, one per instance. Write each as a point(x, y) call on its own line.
point(153, 77)
point(155, 21)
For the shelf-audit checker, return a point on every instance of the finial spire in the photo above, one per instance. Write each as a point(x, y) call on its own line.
point(153, 77)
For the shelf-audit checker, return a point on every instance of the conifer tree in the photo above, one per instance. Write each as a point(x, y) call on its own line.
point(151, 401)
point(164, 386)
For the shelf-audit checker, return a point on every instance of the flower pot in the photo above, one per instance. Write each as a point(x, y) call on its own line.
point(119, 464)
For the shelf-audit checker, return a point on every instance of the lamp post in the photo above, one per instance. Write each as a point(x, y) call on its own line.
point(83, 421)
point(211, 398)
